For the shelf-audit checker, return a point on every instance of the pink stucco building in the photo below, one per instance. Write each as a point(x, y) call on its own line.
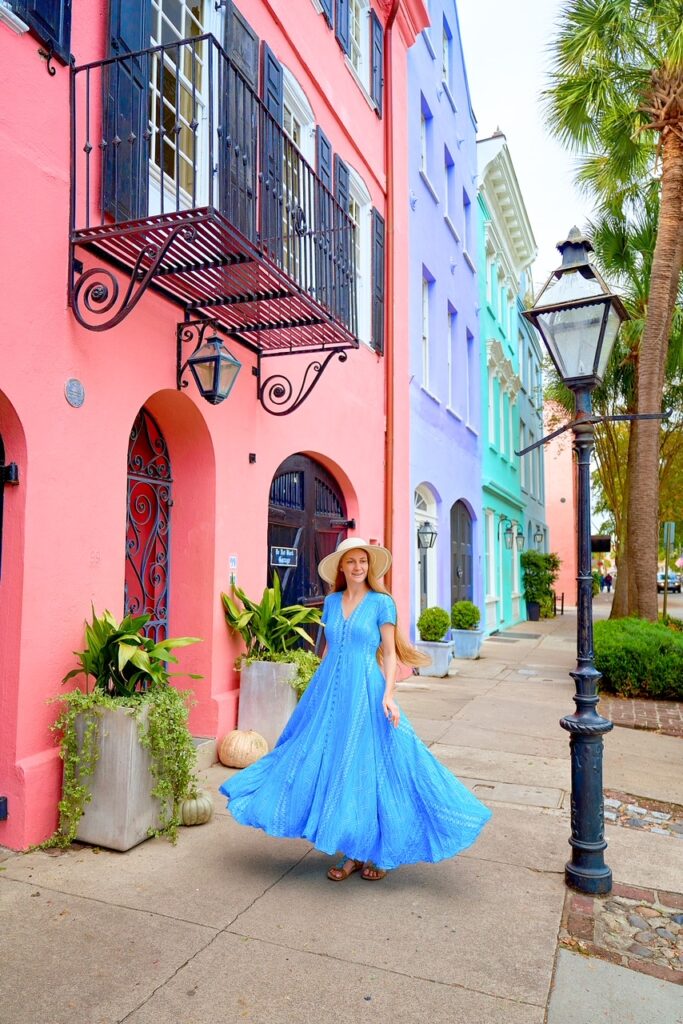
point(560, 500)
point(241, 166)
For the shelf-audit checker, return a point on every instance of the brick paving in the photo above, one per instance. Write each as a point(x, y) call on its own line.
point(641, 929)
point(662, 716)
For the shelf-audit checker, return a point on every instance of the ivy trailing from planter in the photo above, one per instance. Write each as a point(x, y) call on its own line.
point(130, 670)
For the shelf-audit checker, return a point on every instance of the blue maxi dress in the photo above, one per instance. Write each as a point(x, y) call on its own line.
point(342, 776)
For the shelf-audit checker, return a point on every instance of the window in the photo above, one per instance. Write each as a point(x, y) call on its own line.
point(425, 137)
point(299, 126)
point(511, 433)
point(467, 224)
point(523, 459)
point(359, 39)
point(446, 55)
point(426, 288)
point(471, 379)
point(360, 208)
point(449, 202)
point(492, 408)
point(502, 416)
point(452, 350)
point(176, 95)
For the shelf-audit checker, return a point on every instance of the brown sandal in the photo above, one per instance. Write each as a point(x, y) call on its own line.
point(343, 869)
point(376, 876)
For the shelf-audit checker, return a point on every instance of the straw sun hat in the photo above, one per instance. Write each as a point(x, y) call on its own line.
point(379, 558)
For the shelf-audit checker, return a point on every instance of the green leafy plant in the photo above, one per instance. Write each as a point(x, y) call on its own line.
point(115, 661)
point(596, 581)
point(268, 628)
point(539, 572)
point(121, 659)
point(433, 624)
point(465, 615)
point(639, 658)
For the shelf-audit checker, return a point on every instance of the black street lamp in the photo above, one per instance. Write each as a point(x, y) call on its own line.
point(508, 531)
point(213, 368)
point(578, 318)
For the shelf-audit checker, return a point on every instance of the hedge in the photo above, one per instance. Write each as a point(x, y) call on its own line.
point(639, 658)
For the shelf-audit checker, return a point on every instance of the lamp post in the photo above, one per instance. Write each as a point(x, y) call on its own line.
point(578, 318)
point(426, 536)
point(212, 366)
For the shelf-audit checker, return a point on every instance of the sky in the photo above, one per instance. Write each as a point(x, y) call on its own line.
point(505, 44)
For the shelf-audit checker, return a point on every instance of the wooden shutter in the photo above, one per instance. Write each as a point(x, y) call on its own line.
point(343, 243)
point(377, 60)
point(50, 21)
point(324, 259)
point(272, 92)
point(342, 26)
point(126, 115)
point(238, 120)
point(241, 43)
point(377, 281)
point(327, 11)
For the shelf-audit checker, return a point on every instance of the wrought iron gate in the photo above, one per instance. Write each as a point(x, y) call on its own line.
point(148, 525)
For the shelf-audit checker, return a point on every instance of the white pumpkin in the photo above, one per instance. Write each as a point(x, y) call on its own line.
point(240, 748)
point(197, 810)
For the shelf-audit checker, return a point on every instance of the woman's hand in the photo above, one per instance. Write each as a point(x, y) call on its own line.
point(391, 710)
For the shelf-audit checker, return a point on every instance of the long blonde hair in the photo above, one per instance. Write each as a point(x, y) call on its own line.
point(405, 652)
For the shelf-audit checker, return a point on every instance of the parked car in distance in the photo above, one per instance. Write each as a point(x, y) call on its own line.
point(673, 583)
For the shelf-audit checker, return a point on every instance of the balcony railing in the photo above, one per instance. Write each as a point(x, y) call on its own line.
point(183, 179)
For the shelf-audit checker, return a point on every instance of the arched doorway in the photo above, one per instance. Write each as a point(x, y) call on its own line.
point(306, 521)
point(148, 525)
point(461, 553)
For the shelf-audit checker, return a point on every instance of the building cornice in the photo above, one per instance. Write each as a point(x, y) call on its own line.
point(503, 195)
point(497, 361)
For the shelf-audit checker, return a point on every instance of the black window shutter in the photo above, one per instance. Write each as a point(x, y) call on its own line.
point(341, 183)
point(126, 156)
point(241, 43)
point(273, 85)
point(377, 58)
point(327, 11)
point(50, 21)
point(377, 281)
point(342, 27)
point(323, 157)
point(272, 152)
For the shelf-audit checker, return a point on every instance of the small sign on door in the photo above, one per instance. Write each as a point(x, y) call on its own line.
point(285, 557)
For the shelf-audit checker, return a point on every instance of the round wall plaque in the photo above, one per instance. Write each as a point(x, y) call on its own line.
point(75, 392)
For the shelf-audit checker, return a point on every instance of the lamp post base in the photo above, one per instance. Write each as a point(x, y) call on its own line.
point(592, 881)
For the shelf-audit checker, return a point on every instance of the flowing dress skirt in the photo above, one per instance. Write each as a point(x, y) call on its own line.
point(342, 776)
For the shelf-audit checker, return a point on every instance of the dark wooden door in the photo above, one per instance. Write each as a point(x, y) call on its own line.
point(306, 512)
point(461, 553)
point(148, 525)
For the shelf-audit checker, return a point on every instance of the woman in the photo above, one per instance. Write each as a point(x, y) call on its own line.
point(348, 772)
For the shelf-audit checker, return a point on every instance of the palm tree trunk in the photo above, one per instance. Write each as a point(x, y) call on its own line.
point(643, 509)
point(620, 604)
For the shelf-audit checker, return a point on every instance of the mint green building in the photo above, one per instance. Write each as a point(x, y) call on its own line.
point(506, 251)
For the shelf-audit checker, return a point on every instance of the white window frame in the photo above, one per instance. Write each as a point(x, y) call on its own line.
point(424, 349)
point(426, 510)
point(359, 46)
point(359, 194)
point(492, 408)
point(452, 356)
point(212, 22)
point(471, 403)
point(501, 420)
point(491, 591)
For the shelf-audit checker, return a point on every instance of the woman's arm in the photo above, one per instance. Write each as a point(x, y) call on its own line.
point(391, 708)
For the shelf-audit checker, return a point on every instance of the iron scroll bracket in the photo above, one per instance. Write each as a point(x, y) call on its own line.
point(279, 396)
point(593, 421)
point(96, 292)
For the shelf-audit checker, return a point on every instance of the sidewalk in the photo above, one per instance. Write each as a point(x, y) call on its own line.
point(231, 925)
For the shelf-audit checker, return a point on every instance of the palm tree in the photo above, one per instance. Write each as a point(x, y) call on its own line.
point(616, 96)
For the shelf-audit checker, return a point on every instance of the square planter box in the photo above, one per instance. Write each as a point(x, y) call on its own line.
point(441, 654)
point(266, 698)
point(467, 642)
point(122, 809)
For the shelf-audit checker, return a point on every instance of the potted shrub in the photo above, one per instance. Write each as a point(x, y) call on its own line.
point(128, 754)
point(539, 572)
point(432, 626)
point(274, 671)
point(465, 632)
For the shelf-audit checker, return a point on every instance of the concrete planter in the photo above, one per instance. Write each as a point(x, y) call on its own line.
point(266, 698)
point(440, 652)
point(467, 642)
point(122, 809)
